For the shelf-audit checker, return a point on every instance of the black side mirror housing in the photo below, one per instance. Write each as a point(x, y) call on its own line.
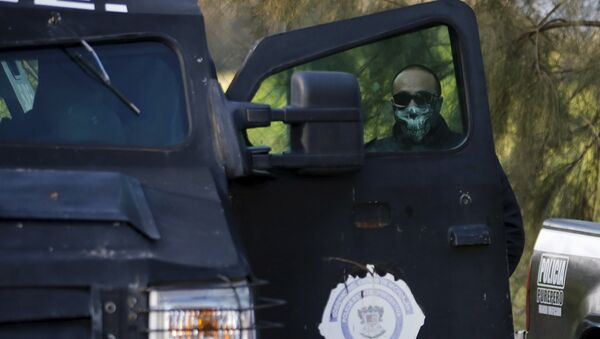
point(341, 138)
point(326, 128)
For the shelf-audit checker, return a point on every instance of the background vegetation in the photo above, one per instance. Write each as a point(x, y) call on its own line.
point(543, 82)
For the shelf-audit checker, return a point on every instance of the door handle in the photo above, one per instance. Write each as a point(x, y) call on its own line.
point(469, 235)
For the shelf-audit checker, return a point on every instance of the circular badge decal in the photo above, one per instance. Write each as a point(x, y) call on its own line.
point(371, 307)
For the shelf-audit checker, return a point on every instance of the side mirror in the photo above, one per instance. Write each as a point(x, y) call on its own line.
point(331, 140)
point(326, 128)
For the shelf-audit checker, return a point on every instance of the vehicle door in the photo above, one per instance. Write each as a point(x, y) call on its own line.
point(430, 216)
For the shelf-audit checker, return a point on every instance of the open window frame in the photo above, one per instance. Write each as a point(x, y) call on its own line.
point(282, 51)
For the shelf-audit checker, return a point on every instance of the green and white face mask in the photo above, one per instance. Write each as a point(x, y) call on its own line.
point(415, 121)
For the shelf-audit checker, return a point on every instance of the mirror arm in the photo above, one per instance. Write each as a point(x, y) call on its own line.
point(263, 115)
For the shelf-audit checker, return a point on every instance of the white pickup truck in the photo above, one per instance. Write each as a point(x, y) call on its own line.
point(563, 299)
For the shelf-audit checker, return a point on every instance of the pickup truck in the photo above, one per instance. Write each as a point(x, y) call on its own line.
point(564, 284)
point(135, 201)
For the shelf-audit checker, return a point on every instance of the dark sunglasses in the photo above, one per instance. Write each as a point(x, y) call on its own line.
point(420, 98)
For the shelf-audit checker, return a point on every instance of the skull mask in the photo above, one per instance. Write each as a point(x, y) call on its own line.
point(417, 101)
point(416, 121)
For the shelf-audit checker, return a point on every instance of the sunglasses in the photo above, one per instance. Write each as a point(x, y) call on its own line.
point(421, 98)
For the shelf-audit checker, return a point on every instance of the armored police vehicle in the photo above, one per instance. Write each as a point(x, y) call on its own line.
point(138, 200)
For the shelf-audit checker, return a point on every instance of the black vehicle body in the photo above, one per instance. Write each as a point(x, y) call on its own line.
point(143, 216)
point(85, 226)
point(565, 307)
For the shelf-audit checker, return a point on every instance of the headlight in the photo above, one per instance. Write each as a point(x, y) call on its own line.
point(217, 312)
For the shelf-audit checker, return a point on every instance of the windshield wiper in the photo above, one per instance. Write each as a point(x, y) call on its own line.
point(103, 77)
point(99, 72)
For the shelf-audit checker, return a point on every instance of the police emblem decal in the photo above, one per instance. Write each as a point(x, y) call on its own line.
point(371, 307)
point(370, 321)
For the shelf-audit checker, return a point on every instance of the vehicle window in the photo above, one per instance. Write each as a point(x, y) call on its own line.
point(410, 97)
point(49, 96)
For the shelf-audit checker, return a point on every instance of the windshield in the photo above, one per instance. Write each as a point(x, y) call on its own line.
point(47, 97)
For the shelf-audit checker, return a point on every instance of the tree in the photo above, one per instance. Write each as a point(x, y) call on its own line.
point(542, 70)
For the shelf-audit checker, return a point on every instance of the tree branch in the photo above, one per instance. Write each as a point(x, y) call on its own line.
point(557, 24)
point(543, 21)
point(562, 23)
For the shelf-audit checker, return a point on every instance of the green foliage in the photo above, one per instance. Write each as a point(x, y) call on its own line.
point(542, 71)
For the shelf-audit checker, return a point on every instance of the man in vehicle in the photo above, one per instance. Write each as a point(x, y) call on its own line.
point(417, 102)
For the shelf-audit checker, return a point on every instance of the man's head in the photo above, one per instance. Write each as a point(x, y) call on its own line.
point(417, 101)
